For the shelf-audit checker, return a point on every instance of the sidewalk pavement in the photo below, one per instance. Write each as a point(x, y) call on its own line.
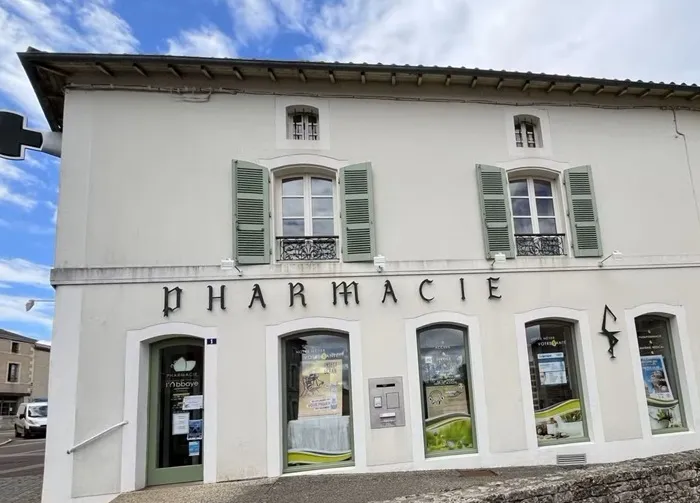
point(362, 488)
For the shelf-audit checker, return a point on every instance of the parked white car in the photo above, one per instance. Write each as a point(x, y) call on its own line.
point(31, 419)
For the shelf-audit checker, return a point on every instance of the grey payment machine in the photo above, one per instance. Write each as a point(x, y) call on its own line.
point(386, 407)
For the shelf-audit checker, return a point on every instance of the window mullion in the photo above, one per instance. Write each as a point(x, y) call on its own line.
point(308, 226)
point(533, 206)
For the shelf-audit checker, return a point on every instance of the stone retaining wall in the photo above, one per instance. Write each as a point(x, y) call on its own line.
point(672, 478)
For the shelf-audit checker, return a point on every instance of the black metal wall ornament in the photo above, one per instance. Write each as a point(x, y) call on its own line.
point(166, 299)
point(221, 297)
point(493, 288)
point(389, 290)
point(346, 291)
point(610, 334)
point(420, 290)
point(296, 290)
point(257, 295)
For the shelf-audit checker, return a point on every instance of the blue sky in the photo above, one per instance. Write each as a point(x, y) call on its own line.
point(650, 40)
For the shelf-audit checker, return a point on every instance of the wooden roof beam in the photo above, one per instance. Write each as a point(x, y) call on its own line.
point(473, 82)
point(272, 75)
point(644, 93)
point(238, 73)
point(363, 77)
point(331, 76)
point(302, 76)
point(526, 86)
point(206, 72)
point(103, 68)
point(500, 84)
point(551, 87)
point(622, 91)
point(175, 71)
point(598, 91)
point(448, 79)
point(140, 70)
point(576, 89)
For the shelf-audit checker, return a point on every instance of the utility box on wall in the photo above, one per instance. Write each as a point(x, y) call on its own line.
point(386, 404)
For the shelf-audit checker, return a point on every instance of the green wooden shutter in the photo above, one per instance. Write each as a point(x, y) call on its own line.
point(495, 211)
point(251, 213)
point(583, 214)
point(357, 213)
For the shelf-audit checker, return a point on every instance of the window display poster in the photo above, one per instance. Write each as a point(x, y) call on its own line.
point(194, 448)
point(446, 399)
point(552, 369)
point(321, 388)
point(656, 378)
point(193, 402)
point(194, 431)
point(181, 423)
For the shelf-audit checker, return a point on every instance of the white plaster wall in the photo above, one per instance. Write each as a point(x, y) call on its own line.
point(152, 175)
point(109, 311)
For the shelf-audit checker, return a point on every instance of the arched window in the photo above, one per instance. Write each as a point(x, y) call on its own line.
point(317, 400)
point(660, 374)
point(528, 133)
point(302, 123)
point(537, 228)
point(306, 220)
point(443, 362)
point(555, 382)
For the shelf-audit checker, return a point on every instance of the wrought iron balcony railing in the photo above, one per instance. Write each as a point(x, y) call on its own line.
point(307, 247)
point(539, 244)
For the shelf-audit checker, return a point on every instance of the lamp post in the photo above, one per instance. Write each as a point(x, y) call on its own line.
point(30, 303)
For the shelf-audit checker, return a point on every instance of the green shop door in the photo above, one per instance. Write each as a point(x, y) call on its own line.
point(175, 412)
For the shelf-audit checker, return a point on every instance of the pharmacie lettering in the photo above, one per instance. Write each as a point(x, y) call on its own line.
point(344, 294)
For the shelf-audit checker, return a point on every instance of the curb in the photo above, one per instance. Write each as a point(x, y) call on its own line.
point(6, 442)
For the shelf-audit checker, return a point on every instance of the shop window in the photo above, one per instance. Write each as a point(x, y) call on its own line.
point(448, 420)
point(307, 218)
point(302, 123)
point(555, 382)
point(8, 407)
point(660, 374)
point(317, 414)
point(535, 222)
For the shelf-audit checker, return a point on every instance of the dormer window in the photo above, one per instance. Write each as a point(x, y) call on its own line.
point(527, 132)
point(302, 123)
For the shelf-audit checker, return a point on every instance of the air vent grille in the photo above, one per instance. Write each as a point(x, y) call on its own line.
point(571, 459)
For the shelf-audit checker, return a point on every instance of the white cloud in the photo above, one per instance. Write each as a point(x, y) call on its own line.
point(651, 40)
point(44, 342)
point(12, 309)
point(262, 19)
point(9, 170)
point(206, 40)
point(10, 197)
point(20, 271)
point(76, 25)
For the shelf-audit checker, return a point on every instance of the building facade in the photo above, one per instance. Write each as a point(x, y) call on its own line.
point(25, 366)
point(322, 268)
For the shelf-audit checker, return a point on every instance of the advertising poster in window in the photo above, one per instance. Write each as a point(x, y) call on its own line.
point(319, 433)
point(664, 409)
point(448, 423)
point(552, 368)
point(320, 388)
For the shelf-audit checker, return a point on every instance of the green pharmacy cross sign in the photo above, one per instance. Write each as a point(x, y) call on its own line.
point(16, 138)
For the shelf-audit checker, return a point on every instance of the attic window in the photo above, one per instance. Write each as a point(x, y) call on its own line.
point(302, 123)
point(527, 131)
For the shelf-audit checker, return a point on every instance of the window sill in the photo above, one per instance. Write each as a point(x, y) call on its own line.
point(451, 454)
point(670, 431)
point(548, 444)
point(293, 470)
